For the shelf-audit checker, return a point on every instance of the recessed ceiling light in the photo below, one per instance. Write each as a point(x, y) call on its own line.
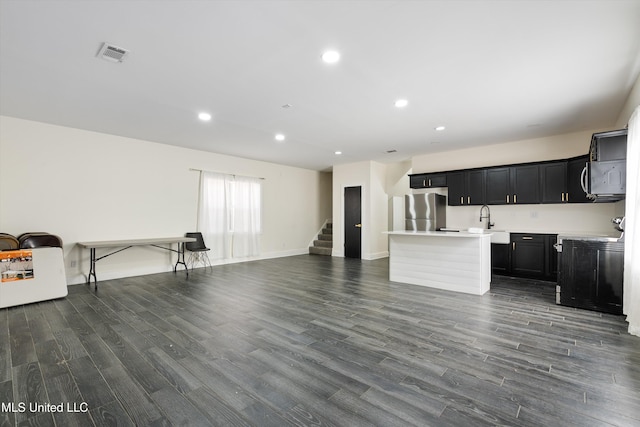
point(401, 103)
point(331, 57)
point(279, 137)
point(440, 128)
point(205, 117)
point(338, 153)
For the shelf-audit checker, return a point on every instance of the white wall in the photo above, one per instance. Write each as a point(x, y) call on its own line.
point(372, 177)
point(86, 186)
point(379, 202)
point(531, 150)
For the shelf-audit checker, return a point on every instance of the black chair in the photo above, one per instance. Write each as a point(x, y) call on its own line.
point(39, 239)
point(8, 242)
point(198, 250)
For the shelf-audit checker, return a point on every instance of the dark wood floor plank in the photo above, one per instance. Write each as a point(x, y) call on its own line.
point(111, 415)
point(21, 347)
point(310, 340)
point(175, 374)
point(28, 388)
point(52, 362)
point(93, 388)
point(7, 417)
point(63, 392)
point(5, 348)
point(218, 412)
point(178, 410)
point(69, 343)
point(136, 402)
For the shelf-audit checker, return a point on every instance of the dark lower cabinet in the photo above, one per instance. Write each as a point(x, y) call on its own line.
point(590, 275)
point(500, 261)
point(530, 255)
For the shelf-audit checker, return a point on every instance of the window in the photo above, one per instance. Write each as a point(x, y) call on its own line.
point(230, 214)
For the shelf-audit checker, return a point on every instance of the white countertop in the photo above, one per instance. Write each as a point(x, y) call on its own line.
point(439, 233)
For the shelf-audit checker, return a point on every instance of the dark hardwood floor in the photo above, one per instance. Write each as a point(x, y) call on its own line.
point(311, 340)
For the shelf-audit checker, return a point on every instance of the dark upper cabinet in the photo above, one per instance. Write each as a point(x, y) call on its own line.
point(560, 182)
point(575, 192)
point(455, 184)
point(428, 180)
point(466, 187)
point(591, 275)
point(525, 184)
point(557, 181)
point(513, 185)
point(553, 182)
point(475, 181)
point(497, 186)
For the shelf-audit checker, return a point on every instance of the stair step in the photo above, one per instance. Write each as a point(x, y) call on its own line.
point(323, 243)
point(325, 236)
point(319, 251)
point(327, 231)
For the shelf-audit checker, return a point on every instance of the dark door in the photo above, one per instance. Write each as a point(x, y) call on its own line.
point(352, 222)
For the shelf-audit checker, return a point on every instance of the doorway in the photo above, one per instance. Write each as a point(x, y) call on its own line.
point(353, 222)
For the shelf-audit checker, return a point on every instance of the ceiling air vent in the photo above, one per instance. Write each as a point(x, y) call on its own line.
point(112, 53)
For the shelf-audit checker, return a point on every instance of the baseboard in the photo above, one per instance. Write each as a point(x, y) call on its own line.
point(80, 278)
point(377, 255)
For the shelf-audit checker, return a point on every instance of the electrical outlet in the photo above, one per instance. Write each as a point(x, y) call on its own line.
point(534, 214)
point(72, 264)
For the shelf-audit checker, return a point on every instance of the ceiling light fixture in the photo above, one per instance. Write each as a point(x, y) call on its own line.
point(205, 117)
point(439, 128)
point(331, 57)
point(337, 153)
point(401, 103)
point(279, 137)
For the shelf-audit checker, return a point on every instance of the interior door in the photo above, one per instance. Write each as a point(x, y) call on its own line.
point(353, 222)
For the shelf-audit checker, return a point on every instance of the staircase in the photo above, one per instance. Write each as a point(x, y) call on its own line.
point(324, 244)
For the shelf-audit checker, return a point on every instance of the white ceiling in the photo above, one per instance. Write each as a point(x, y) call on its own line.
point(490, 71)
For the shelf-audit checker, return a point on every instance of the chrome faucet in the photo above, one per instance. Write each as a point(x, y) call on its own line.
point(488, 216)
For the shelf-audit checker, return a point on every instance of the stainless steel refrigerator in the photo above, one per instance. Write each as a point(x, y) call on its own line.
point(425, 212)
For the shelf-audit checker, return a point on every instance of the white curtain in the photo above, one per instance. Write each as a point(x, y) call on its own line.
point(213, 218)
point(229, 215)
point(246, 215)
point(631, 292)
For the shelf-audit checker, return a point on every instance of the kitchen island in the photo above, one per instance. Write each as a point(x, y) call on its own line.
point(453, 261)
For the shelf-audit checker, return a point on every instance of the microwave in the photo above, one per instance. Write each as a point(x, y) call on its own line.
point(605, 181)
